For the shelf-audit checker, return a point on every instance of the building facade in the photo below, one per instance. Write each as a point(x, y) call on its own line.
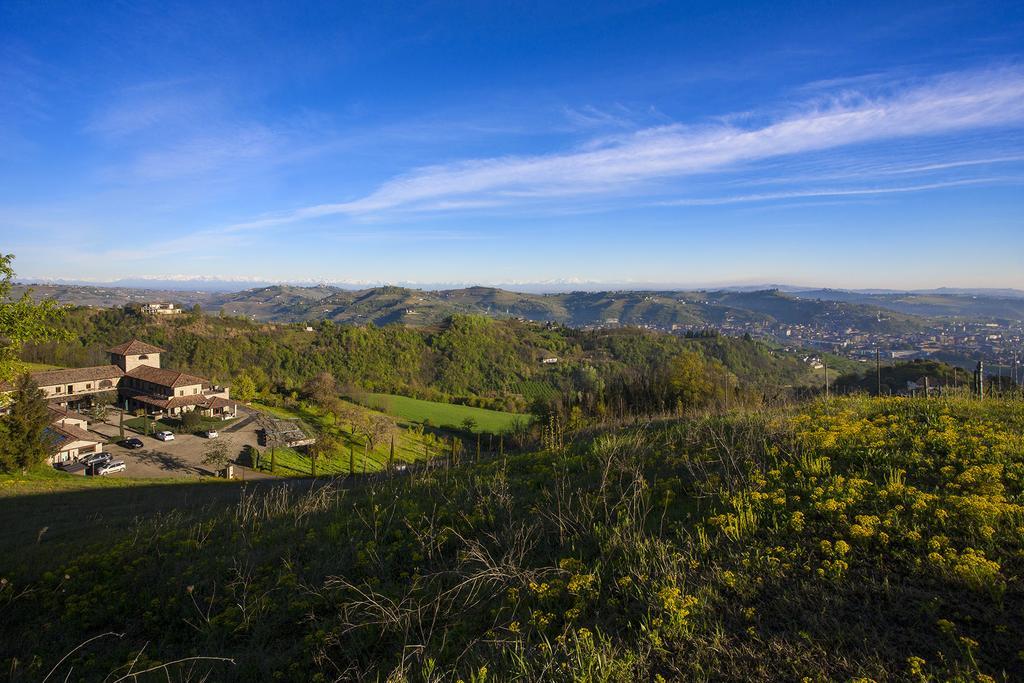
point(134, 379)
point(69, 438)
point(161, 309)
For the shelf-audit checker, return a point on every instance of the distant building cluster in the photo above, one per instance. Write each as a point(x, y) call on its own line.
point(161, 309)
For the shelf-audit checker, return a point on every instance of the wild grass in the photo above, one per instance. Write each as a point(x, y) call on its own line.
point(850, 539)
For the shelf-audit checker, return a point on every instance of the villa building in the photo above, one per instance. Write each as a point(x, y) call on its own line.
point(135, 379)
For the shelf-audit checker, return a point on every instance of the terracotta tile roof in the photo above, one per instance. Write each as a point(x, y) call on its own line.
point(164, 377)
point(65, 414)
point(134, 348)
point(218, 402)
point(47, 378)
point(59, 436)
point(155, 401)
point(183, 401)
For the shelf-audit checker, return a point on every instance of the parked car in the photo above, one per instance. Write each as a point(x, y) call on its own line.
point(111, 467)
point(211, 434)
point(132, 443)
point(96, 459)
point(165, 436)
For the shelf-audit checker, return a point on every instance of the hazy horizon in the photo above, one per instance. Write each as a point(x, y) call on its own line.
point(868, 146)
point(216, 285)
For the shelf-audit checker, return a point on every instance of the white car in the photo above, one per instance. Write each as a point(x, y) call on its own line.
point(111, 467)
point(211, 433)
point(164, 436)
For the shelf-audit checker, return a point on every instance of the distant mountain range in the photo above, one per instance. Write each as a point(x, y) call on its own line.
point(215, 284)
point(877, 312)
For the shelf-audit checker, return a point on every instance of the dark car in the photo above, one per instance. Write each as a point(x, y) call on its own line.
point(132, 443)
point(97, 459)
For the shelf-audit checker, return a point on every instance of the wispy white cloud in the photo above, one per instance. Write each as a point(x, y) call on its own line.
point(837, 192)
point(589, 117)
point(162, 104)
point(204, 153)
point(631, 162)
point(960, 163)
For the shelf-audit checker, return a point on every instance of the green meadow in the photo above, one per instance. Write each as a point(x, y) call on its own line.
point(443, 414)
point(411, 445)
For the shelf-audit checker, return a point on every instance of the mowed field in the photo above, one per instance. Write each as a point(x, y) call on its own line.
point(443, 414)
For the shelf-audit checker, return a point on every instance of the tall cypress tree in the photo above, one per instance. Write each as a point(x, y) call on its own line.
point(23, 444)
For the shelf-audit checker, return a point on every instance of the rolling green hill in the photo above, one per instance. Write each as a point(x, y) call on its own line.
point(480, 361)
point(687, 309)
point(386, 305)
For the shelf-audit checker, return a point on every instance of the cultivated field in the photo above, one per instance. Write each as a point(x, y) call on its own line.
point(443, 414)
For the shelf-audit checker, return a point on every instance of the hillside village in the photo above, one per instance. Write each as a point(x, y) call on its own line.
point(135, 382)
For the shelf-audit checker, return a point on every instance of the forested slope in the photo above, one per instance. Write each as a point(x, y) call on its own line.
point(495, 363)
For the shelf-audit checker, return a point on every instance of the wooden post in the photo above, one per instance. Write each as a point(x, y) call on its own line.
point(825, 363)
point(980, 379)
point(351, 458)
point(391, 455)
point(478, 449)
point(878, 372)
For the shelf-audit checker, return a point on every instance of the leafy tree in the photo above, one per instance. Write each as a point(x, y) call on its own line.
point(244, 388)
point(376, 427)
point(690, 378)
point(325, 445)
point(101, 405)
point(22, 320)
point(217, 453)
point(321, 389)
point(22, 444)
point(191, 421)
point(469, 424)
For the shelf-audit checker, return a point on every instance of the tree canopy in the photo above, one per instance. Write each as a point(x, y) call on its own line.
point(22, 320)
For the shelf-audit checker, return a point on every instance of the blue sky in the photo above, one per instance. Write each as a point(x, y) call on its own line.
point(836, 144)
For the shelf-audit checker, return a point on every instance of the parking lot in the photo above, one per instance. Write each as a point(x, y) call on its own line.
point(182, 457)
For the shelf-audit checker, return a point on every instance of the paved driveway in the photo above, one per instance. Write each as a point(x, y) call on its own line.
point(182, 457)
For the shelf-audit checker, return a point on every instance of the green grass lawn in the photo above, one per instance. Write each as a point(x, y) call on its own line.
point(411, 445)
point(46, 479)
point(442, 414)
point(21, 366)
